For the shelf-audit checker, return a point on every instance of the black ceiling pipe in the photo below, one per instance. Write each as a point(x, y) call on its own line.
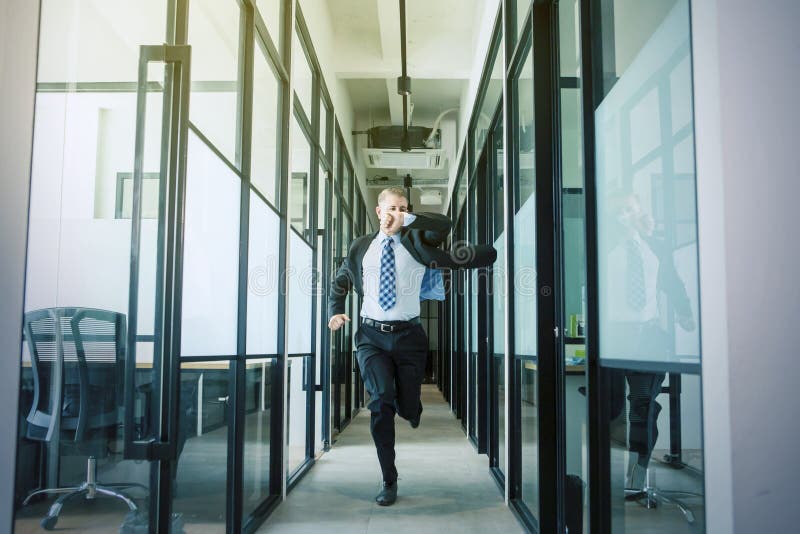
point(404, 82)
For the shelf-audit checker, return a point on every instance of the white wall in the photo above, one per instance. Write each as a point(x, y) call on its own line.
point(18, 39)
point(746, 74)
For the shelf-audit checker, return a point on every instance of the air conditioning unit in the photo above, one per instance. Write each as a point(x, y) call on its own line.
point(430, 198)
point(394, 158)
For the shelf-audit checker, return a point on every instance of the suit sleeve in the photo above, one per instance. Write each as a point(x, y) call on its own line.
point(668, 279)
point(432, 222)
point(341, 285)
point(434, 227)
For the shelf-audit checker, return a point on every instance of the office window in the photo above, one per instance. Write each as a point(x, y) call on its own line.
point(491, 98)
point(461, 191)
point(214, 37)
point(263, 279)
point(265, 161)
point(298, 341)
point(647, 262)
point(211, 255)
point(202, 469)
point(347, 179)
point(521, 10)
point(525, 285)
point(302, 74)
point(299, 187)
point(79, 248)
point(272, 12)
point(259, 380)
point(498, 291)
point(323, 126)
point(574, 252)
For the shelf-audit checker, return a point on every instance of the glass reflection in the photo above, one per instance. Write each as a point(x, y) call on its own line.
point(649, 342)
point(498, 292)
point(264, 162)
point(525, 305)
point(258, 412)
point(214, 38)
point(490, 101)
point(200, 477)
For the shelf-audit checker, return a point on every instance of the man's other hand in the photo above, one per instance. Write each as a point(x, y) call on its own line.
point(338, 320)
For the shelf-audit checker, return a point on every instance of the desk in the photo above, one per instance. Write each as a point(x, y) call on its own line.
point(201, 368)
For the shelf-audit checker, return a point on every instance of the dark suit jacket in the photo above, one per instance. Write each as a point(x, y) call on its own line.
point(421, 239)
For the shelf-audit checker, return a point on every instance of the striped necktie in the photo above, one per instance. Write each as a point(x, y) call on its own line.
point(635, 295)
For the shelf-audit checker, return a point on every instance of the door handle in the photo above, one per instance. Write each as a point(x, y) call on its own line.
point(162, 445)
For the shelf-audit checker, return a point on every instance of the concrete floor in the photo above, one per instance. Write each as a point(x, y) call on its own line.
point(444, 484)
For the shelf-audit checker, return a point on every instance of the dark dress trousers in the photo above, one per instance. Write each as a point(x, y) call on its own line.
point(392, 364)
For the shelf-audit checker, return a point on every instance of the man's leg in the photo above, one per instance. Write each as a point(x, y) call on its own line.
point(377, 371)
point(410, 354)
point(643, 420)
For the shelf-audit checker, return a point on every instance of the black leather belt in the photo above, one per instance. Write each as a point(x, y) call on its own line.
point(390, 326)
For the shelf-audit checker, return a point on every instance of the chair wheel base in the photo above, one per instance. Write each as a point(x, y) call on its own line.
point(49, 522)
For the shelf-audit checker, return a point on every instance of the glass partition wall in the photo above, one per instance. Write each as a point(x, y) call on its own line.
point(171, 213)
point(644, 279)
point(581, 342)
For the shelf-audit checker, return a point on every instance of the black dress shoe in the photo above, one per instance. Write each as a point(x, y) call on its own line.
point(388, 494)
point(415, 422)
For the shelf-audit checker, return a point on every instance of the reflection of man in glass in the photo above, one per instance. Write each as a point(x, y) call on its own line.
point(642, 285)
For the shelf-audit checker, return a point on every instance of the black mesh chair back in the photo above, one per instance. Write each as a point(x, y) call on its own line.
point(78, 364)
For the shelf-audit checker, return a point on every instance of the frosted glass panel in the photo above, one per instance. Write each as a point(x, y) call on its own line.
point(499, 297)
point(300, 295)
point(263, 279)
point(211, 255)
point(647, 222)
point(647, 264)
point(525, 316)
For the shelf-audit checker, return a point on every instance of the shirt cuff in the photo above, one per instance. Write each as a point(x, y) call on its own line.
point(408, 218)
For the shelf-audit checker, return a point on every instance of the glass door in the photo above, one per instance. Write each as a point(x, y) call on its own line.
point(99, 366)
point(643, 274)
point(477, 314)
point(497, 299)
point(525, 372)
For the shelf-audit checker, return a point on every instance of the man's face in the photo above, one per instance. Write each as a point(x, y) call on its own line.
point(390, 212)
point(632, 217)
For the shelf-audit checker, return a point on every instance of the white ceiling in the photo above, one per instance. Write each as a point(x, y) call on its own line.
point(440, 47)
point(439, 40)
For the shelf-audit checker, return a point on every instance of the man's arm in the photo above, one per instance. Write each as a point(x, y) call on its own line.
point(434, 226)
point(340, 287)
point(669, 281)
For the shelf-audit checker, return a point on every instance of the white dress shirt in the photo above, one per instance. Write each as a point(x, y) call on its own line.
point(408, 279)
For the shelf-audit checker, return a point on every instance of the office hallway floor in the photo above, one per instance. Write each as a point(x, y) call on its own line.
point(444, 484)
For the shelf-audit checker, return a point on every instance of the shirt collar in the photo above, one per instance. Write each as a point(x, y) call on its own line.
point(381, 236)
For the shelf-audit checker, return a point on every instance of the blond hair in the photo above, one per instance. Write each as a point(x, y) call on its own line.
point(394, 190)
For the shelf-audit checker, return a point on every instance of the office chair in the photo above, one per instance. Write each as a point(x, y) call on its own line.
point(77, 361)
point(640, 481)
point(641, 486)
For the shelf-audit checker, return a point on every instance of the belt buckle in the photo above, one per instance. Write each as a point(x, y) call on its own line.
point(389, 327)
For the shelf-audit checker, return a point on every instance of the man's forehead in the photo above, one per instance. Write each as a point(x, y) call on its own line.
point(394, 200)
